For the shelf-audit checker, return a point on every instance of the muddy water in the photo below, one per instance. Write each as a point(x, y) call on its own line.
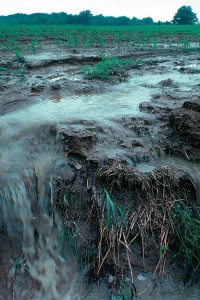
point(31, 152)
point(123, 100)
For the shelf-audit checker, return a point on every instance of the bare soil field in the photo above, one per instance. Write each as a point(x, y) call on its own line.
point(100, 179)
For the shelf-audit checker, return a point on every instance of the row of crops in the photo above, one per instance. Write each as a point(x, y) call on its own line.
point(31, 38)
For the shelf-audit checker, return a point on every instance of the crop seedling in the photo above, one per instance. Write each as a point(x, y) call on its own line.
point(139, 36)
point(59, 43)
point(155, 42)
point(18, 59)
point(89, 41)
point(35, 45)
point(102, 43)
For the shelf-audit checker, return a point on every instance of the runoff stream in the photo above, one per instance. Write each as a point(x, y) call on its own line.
point(31, 231)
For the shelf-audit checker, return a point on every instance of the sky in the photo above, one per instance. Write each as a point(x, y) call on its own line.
point(163, 10)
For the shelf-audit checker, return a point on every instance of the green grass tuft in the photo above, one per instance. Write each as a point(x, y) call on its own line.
point(110, 69)
point(187, 229)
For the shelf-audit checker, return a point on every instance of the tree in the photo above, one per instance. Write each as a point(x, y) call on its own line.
point(98, 20)
point(121, 21)
point(185, 16)
point(85, 17)
point(147, 21)
point(135, 21)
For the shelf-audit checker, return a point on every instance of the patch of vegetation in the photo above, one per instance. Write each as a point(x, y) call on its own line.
point(79, 37)
point(185, 15)
point(110, 69)
point(187, 230)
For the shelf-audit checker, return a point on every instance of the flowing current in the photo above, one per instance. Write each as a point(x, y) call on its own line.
point(35, 262)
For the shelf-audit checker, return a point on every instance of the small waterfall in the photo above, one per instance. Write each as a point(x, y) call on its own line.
point(17, 212)
point(38, 228)
point(36, 260)
point(34, 229)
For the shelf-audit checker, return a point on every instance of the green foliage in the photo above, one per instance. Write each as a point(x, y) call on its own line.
point(102, 42)
point(110, 208)
point(19, 59)
point(35, 44)
point(147, 21)
point(85, 17)
point(6, 75)
point(58, 42)
point(78, 36)
point(110, 69)
point(185, 15)
point(187, 229)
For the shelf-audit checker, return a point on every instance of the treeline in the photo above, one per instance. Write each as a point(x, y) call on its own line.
point(83, 18)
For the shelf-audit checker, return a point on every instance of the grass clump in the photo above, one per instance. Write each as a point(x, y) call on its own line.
point(187, 229)
point(110, 69)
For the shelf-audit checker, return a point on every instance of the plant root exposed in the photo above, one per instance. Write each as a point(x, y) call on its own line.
point(113, 214)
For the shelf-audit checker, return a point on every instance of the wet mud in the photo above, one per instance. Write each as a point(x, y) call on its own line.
point(105, 165)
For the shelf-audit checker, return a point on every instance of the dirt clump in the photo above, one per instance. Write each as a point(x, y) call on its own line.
point(78, 142)
point(185, 123)
point(167, 82)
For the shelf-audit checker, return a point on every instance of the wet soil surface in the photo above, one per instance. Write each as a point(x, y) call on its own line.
point(54, 76)
point(120, 140)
